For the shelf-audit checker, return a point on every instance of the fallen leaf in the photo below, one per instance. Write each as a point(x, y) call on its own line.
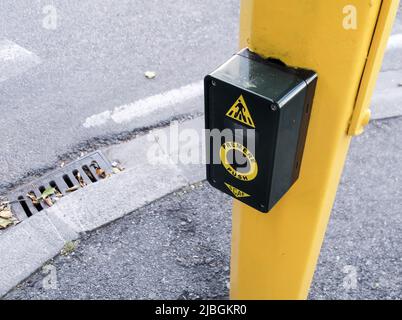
point(6, 216)
point(72, 189)
point(101, 173)
point(33, 198)
point(116, 170)
point(6, 213)
point(48, 192)
point(48, 201)
point(117, 167)
point(94, 164)
point(58, 194)
point(150, 74)
point(80, 180)
point(4, 223)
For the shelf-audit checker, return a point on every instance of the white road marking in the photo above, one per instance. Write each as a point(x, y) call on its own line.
point(15, 59)
point(143, 107)
point(170, 98)
point(395, 41)
point(97, 119)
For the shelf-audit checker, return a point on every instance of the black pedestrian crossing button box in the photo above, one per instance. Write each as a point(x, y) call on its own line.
point(256, 113)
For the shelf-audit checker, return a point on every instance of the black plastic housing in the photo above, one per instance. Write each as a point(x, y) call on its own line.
point(279, 99)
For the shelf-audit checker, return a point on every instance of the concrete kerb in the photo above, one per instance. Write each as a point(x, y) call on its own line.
point(27, 246)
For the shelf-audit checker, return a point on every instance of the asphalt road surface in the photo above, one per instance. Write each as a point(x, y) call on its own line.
point(55, 73)
point(179, 247)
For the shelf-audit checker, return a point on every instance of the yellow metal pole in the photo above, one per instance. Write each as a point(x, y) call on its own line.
point(274, 255)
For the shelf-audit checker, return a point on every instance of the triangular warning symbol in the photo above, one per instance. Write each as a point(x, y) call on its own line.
point(240, 112)
point(237, 193)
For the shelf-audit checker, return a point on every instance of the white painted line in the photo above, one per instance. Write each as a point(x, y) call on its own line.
point(143, 107)
point(97, 119)
point(12, 51)
point(15, 59)
point(395, 41)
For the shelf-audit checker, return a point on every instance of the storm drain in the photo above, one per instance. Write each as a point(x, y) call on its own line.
point(75, 175)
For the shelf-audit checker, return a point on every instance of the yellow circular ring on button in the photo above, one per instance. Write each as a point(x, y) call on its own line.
point(251, 174)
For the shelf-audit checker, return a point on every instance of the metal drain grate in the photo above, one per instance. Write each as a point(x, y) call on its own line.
point(61, 179)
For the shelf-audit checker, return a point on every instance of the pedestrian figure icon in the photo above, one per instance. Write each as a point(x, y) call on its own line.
point(239, 111)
